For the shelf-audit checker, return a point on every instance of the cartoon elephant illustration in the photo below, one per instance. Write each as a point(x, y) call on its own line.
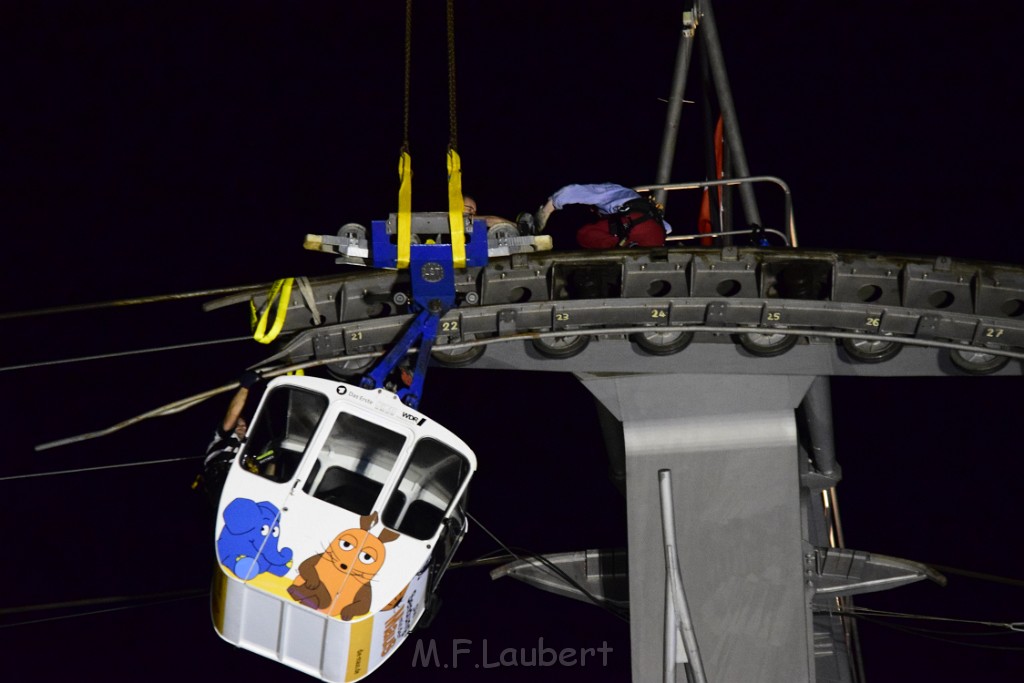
point(337, 581)
point(248, 542)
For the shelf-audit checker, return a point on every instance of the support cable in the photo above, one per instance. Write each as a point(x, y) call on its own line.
point(118, 354)
point(128, 302)
point(281, 370)
point(878, 617)
point(34, 475)
point(148, 600)
point(1016, 626)
point(552, 569)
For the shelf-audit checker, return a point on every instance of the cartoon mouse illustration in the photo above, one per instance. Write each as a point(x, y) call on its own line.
point(337, 581)
point(248, 542)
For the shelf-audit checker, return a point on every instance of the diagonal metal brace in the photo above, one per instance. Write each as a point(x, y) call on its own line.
point(432, 280)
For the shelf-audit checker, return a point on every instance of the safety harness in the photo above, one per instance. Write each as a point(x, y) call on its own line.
point(639, 223)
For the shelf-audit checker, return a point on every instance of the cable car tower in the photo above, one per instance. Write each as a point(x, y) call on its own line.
point(711, 371)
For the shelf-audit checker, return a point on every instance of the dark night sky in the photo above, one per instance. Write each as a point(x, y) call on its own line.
point(158, 148)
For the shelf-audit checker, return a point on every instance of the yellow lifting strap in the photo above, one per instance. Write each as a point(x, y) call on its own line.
point(456, 209)
point(282, 291)
point(404, 209)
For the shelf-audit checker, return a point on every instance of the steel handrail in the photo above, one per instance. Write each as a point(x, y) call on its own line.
point(703, 184)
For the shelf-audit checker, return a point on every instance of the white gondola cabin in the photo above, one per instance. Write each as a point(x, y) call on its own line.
point(337, 519)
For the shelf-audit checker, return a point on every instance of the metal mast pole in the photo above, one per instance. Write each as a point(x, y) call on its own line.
point(732, 126)
point(675, 103)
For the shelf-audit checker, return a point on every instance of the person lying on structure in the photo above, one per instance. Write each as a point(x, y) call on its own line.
point(602, 216)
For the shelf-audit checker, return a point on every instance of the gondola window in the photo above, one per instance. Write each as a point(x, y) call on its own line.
point(276, 442)
point(354, 463)
point(431, 480)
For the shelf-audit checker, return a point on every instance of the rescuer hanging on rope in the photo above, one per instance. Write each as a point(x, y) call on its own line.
point(227, 439)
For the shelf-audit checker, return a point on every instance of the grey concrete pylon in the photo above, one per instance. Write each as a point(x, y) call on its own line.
point(730, 442)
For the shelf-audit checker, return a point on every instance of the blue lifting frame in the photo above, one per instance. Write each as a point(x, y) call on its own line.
point(432, 278)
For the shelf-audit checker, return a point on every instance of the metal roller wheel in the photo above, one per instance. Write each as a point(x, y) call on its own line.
point(502, 231)
point(561, 347)
point(456, 358)
point(353, 231)
point(768, 344)
point(871, 350)
point(975, 362)
point(347, 369)
point(662, 342)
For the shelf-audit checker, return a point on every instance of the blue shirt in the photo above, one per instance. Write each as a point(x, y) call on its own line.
point(607, 197)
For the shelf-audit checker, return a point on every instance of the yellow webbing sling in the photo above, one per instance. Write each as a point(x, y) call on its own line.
point(456, 209)
point(404, 209)
point(282, 289)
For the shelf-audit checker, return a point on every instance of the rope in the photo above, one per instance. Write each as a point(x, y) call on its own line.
point(310, 298)
point(405, 159)
point(408, 75)
point(53, 473)
point(860, 611)
point(118, 354)
point(125, 302)
point(453, 136)
point(182, 404)
point(552, 569)
point(805, 332)
point(168, 409)
point(155, 599)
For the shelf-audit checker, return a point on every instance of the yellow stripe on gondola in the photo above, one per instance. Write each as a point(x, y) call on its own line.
point(456, 209)
point(404, 209)
point(218, 592)
point(359, 649)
